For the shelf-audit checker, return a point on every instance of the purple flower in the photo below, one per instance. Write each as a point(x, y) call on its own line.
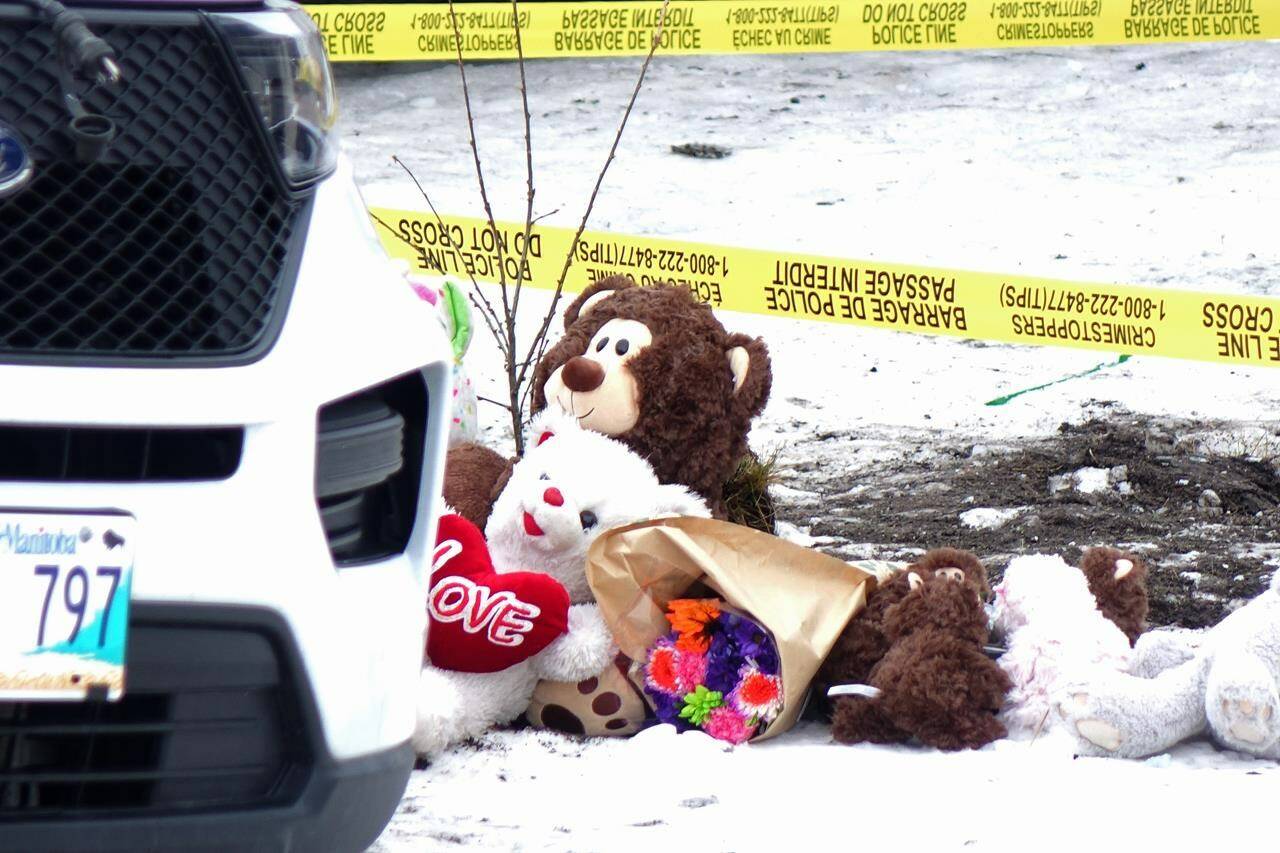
point(667, 709)
point(753, 643)
point(723, 664)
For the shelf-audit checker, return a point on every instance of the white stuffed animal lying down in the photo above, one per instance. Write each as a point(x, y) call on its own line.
point(571, 486)
point(1228, 685)
point(1055, 635)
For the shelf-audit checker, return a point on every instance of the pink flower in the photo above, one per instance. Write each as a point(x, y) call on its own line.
point(691, 670)
point(661, 672)
point(724, 723)
point(424, 293)
point(758, 694)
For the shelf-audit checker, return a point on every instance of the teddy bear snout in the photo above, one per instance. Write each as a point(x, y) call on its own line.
point(582, 374)
point(553, 497)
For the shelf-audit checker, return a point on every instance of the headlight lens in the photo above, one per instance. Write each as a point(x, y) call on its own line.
point(286, 74)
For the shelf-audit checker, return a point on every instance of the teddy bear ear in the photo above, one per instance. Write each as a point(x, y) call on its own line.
point(748, 360)
point(548, 424)
point(595, 293)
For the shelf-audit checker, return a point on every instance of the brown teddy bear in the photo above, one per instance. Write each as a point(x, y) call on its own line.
point(863, 643)
point(652, 367)
point(935, 683)
point(1117, 579)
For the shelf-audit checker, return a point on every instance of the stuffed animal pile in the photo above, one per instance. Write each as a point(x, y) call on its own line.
point(651, 367)
point(912, 661)
point(645, 406)
point(517, 609)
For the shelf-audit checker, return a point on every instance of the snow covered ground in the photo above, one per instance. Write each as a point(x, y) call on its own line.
point(1149, 165)
point(662, 791)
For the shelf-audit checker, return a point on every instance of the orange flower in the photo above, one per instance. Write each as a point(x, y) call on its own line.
point(690, 617)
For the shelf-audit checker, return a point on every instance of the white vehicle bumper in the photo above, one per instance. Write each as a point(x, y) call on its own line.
point(256, 538)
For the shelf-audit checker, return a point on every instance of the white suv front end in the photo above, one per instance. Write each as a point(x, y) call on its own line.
point(204, 339)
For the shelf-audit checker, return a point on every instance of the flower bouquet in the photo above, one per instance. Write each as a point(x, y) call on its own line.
point(727, 625)
point(717, 671)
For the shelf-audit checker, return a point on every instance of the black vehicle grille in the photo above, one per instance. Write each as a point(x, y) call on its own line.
point(211, 719)
point(118, 454)
point(369, 469)
point(177, 244)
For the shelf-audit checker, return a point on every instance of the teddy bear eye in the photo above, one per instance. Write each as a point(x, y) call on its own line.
point(588, 519)
point(622, 347)
point(604, 342)
point(543, 477)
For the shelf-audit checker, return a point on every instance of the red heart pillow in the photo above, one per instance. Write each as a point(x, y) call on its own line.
point(482, 621)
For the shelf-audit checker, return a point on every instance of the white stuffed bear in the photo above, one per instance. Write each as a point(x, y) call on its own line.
point(1228, 684)
point(571, 485)
point(1054, 634)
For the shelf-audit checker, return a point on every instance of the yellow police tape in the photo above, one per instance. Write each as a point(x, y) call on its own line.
point(410, 31)
point(987, 306)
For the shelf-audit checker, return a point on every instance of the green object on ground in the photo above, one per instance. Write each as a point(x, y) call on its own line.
point(1000, 401)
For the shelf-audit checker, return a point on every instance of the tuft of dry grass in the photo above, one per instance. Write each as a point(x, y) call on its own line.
point(746, 494)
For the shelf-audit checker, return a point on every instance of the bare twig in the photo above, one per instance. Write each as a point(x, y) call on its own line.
point(430, 204)
point(513, 383)
point(475, 153)
point(524, 394)
point(539, 345)
point(503, 326)
point(538, 219)
point(1039, 727)
point(528, 157)
point(492, 328)
point(394, 233)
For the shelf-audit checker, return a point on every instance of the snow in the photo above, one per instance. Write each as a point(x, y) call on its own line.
point(987, 518)
point(662, 791)
point(972, 160)
point(1072, 164)
point(1092, 481)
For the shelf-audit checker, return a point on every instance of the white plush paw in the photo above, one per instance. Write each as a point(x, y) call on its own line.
point(1088, 723)
point(586, 650)
point(1251, 721)
point(439, 713)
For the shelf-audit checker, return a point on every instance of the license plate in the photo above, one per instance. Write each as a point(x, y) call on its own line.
point(64, 604)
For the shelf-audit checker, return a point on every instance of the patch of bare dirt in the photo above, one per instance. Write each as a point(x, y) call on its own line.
point(1206, 522)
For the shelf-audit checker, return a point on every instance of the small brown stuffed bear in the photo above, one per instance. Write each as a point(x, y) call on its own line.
point(935, 683)
point(863, 643)
point(652, 367)
point(1118, 581)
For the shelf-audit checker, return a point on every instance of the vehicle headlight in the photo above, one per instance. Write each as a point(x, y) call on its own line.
point(286, 75)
